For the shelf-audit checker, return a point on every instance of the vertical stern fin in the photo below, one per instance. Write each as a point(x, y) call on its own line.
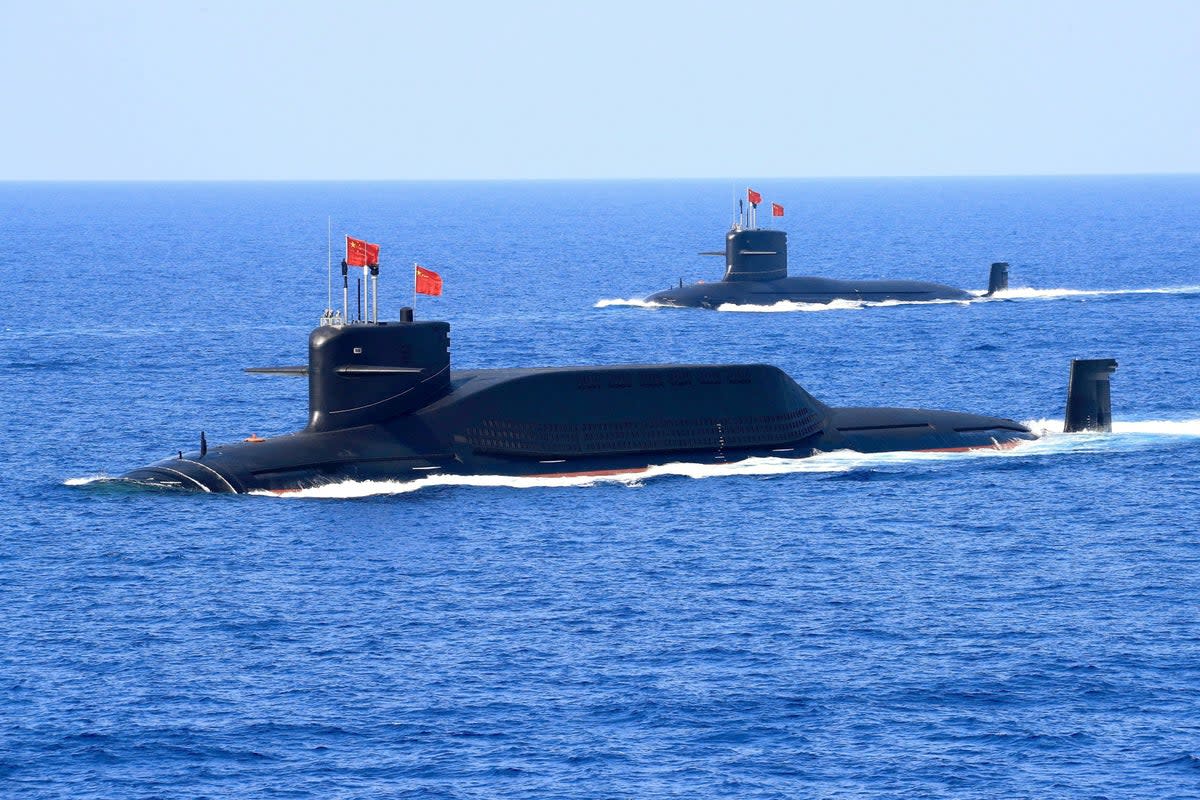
point(998, 279)
point(1089, 406)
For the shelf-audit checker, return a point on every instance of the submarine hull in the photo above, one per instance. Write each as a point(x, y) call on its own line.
point(579, 421)
point(803, 289)
point(756, 273)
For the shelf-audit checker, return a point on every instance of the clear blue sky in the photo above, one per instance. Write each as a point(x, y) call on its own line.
point(212, 89)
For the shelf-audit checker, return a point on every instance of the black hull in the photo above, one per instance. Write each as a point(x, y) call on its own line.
point(804, 290)
point(225, 476)
point(581, 421)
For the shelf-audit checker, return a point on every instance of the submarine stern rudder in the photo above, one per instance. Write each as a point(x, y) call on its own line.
point(998, 278)
point(1089, 402)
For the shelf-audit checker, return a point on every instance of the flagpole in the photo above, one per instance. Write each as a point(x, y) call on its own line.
point(415, 268)
point(346, 287)
point(329, 262)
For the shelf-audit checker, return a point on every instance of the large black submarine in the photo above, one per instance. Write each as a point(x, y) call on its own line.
point(756, 273)
point(385, 405)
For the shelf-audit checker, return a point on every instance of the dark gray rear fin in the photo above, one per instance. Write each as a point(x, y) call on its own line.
point(1089, 406)
point(998, 280)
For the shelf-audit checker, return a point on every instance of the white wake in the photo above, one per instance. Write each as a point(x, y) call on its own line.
point(833, 305)
point(631, 302)
point(86, 479)
point(1125, 436)
point(1024, 293)
point(1055, 294)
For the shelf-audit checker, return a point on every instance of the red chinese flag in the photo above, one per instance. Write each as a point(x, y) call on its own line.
point(776, 210)
point(428, 281)
point(754, 197)
point(360, 253)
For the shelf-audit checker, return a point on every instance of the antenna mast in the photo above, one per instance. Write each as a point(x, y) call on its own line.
point(375, 293)
point(346, 287)
point(330, 317)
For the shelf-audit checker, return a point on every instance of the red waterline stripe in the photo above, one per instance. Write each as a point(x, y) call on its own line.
point(633, 471)
point(1006, 445)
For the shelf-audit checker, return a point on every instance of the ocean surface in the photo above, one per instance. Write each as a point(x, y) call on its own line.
point(990, 625)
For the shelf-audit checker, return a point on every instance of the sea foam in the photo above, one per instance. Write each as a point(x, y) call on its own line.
point(1125, 436)
point(981, 296)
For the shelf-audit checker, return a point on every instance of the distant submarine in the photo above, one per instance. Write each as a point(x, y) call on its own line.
point(756, 273)
point(383, 404)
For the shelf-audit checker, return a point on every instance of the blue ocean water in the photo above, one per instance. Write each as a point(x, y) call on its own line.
point(981, 625)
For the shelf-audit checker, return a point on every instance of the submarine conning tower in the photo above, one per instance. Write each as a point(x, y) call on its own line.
point(755, 254)
point(369, 372)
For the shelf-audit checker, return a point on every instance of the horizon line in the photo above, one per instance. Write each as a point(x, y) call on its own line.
point(622, 179)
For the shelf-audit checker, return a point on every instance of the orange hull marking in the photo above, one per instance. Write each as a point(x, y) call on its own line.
point(631, 471)
point(1007, 445)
